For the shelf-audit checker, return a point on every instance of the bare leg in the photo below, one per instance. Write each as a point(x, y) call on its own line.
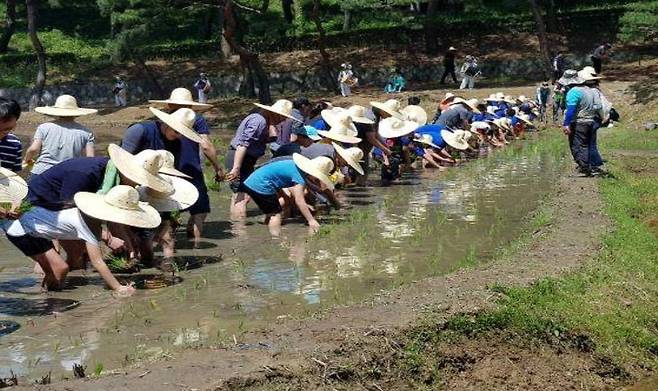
point(239, 206)
point(195, 226)
point(166, 238)
point(274, 224)
point(75, 250)
point(54, 267)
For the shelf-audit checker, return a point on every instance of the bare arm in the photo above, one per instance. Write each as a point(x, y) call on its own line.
point(240, 153)
point(90, 150)
point(96, 257)
point(300, 201)
point(210, 152)
point(374, 140)
point(33, 151)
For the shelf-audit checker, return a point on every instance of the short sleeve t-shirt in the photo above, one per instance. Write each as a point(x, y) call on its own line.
point(435, 132)
point(319, 149)
point(11, 150)
point(270, 178)
point(66, 224)
point(60, 141)
point(454, 117)
point(252, 134)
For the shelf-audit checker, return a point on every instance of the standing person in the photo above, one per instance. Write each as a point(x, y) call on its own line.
point(346, 79)
point(189, 159)
point(469, 70)
point(62, 139)
point(543, 95)
point(449, 65)
point(558, 101)
point(10, 146)
point(559, 65)
point(120, 93)
point(248, 145)
point(203, 86)
point(600, 53)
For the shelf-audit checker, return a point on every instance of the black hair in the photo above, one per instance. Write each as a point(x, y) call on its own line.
point(482, 107)
point(299, 102)
point(511, 112)
point(9, 108)
point(317, 109)
point(414, 100)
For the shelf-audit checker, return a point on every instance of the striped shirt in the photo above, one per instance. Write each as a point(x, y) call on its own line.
point(11, 150)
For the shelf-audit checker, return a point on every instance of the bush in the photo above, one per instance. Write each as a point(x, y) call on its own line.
point(639, 23)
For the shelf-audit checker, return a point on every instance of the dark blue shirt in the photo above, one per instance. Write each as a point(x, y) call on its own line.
point(189, 161)
point(435, 132)
point(147, 135)
point(55, 188)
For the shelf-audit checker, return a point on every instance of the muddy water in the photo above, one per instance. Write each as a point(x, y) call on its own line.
point(428, 224)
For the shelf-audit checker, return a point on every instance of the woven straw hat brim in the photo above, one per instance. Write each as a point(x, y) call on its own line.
point(173, 172)
point(387, 132)
point(189, 103)
point(307, 166)
point(127, 165)
point(13, 188)
point(342, 138)
point(184, 196)
point(62, 112)
point(451, 139)
point(420, 140)
point(384, 108)
point(270, 108)
point(353, 163)
point(95, 206)
point(176, 125)
point(525, 121)
point(363, 120)
point(331, 118)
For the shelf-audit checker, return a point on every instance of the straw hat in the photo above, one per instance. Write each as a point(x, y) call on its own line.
point(491, 110)
point(477, 126)
point(182, 97)
point(499, 95)
point(120, 205)
point(342, 128)
point(182, 196)
point(590, 70)
point(166, 161)
point(586, 75)
point(509, 99)
point(181, 120)
point(524, 118)
point(320, 168)
point(503, 123)
point(470, 104)
point(359, 114)
point(416, 114)
point(65, 106)
point(143, 172)
point(457, 139)
point(12, 187)
point(448, 96)
point(492, 98)
point(351, 155)
point(522, 99)
point(394, 128)
point(426, 139)
point(282, 107)
point(391, 106)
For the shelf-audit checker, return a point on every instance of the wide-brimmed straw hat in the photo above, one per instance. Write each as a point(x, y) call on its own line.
point(181, 97)
point(320, 168)
point(181, 120)
point(65, 106)
point(500, 95)
point(448, 96)
point(570, 77)
point(394, 128)
point(492, 98)
point(503, 123)
point(12, 187)
point(144, 172)
point(587, 75)
point(457, 139)
point(415, 114)
point(522, 99)
point(120, 205)
point(183, 195)
point(470, 104)
point(524, 118)
point(476, 126)
point(342, 128)
point(426, 139)
point(351, 155)
point(166, 161)
point(509, 99)
point(282, 107)
point(359, 114)
point(391, 106)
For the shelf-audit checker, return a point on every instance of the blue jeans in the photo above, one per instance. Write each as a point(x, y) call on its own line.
point(595, 159)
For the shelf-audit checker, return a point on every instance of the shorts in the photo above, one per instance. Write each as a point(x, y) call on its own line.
point(248, 167)
point(202, 204)
point(268, 203)
point(31, 245)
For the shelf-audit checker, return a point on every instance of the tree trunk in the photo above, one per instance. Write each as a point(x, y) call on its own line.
point(347, 19)
point(551, 16)
point(286, 5)
point(431, 32)
point(150, 76)
point(224, 47)
point(325, 59)
point(10, 25)
point(543, 38)
point(248, 58)
point(32, 14)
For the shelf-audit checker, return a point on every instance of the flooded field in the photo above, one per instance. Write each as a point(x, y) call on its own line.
point(240, 278)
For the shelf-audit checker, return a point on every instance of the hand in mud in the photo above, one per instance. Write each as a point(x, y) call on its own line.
point(567, 130)
point(314, 225)
point(125, 291)
point(233, 175)
point(220, 176)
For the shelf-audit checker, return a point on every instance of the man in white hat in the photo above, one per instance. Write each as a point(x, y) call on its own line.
point(248, 145)
point(120, 92)
point(62, 138)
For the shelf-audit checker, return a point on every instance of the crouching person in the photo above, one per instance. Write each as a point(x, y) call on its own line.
point(265, 184)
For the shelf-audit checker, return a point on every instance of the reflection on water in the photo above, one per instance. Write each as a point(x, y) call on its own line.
point(390, 236)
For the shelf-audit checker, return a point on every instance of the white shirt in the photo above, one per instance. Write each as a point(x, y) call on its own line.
point(64, 224)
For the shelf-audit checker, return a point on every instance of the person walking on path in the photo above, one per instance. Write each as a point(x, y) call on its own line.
point(346, 80)
point(120, 93)
point(10, 146)
point(559, 65)
point(543, 95)
point(469, 71)
point(203, 87)
point(60, 139)
point(600, 53)
point(449, 65)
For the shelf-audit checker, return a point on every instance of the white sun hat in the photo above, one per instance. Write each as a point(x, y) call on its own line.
point(522, 99)
point(65, 106)
point(181, 120)
point(500, 95)
point(120, 205)
point(351, 155)
point(426, 139)
point(470, 104)
point(181, 97)
point(503, 123)
point(282, 107)
point(391, 106)
point(509, 99)
point(144, 172)
point(342, 128)
point(588, 75)
point(492, 98)
point(320, 168)
point(457, 139)
point(359, 114)
point(524, 118)
point(393, 128)
point(166, 161)
point(415, 114)
point(448, 96)
point(13, 188)
point(182, 196)
point(476, 126)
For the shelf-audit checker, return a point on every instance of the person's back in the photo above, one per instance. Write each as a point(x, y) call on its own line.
point(60, 141)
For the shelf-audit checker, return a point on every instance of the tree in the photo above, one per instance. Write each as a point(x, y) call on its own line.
point(325, 60)
point(10, 25)
point(542, 36)
point(639, 24)
point(431, 32)
point(37, 91)
point(286, 5)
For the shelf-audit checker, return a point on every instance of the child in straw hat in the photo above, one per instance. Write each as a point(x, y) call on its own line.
point(60, 139)
point(10, 112)
point(433, 148)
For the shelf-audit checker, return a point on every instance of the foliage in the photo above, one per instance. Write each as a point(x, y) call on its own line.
point(640, 22)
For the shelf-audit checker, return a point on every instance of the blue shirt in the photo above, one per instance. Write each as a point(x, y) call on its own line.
point(320, 124)
point(189, 161)
point(11, 150)
point(275, 176)
point(55, 188)
point(252, 134)
point(435, 132)
point(147, 135)
point(573, 98)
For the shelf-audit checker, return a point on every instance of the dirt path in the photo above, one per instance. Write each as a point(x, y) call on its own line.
point(286, 353)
